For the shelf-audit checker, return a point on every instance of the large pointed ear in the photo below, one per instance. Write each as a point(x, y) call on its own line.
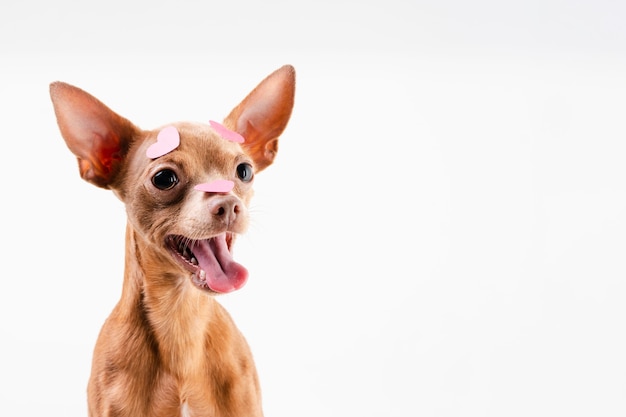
point(263, 115)
point(97, 136)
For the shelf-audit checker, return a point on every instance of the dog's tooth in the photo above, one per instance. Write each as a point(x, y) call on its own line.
point(202, 275)
point(193, 260)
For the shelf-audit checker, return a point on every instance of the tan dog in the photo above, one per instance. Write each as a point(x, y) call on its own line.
point(169, 348)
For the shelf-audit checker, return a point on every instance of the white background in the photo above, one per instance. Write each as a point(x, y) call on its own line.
point(442, 234)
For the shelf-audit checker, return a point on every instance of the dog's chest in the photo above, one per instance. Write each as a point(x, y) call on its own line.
point(184, 410)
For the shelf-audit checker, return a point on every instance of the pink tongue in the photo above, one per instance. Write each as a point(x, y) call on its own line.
point(223, 274)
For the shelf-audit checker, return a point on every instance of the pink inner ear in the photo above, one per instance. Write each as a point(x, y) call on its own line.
point(217, 186)
point(168, 139)
point(226, 133)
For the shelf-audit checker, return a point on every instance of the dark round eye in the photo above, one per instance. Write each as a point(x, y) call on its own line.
point(244, 172)
point(165, 179)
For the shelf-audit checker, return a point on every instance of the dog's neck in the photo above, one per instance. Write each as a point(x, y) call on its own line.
point(183, 327)
point(180, 317)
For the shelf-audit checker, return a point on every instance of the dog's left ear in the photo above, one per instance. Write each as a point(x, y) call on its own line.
point(263, 115)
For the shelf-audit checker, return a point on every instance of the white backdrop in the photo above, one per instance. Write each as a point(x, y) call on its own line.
point(443, 231)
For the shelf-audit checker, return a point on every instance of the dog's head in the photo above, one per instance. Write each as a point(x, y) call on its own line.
point(186, 186)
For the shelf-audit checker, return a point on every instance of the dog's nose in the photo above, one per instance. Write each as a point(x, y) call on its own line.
point(225, 207)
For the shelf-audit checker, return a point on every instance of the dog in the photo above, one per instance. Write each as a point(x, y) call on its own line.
point(168, 347)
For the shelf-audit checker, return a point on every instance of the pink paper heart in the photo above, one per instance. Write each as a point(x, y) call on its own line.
point(226, 133)
point(168, 139)
point(217, 186)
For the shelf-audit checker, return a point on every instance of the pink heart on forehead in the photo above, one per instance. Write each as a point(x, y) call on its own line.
point(226, 133)
point(217, 186)
point(168, 139)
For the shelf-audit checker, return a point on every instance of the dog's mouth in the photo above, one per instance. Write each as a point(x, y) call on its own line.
point(210, 262)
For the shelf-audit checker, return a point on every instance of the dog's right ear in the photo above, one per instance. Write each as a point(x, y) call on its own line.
point(98, 137)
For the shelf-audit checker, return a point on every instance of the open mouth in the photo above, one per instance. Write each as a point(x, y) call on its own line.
point(210, 262)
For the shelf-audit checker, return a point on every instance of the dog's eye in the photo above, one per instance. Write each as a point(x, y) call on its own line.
point(244, 172)
point(165, 179)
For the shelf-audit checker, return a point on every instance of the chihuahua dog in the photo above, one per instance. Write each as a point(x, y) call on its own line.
point(169, 348)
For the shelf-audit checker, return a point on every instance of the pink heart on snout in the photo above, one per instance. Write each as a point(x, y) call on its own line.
point(168, 139)
point(226, 133)
point(217, 186)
